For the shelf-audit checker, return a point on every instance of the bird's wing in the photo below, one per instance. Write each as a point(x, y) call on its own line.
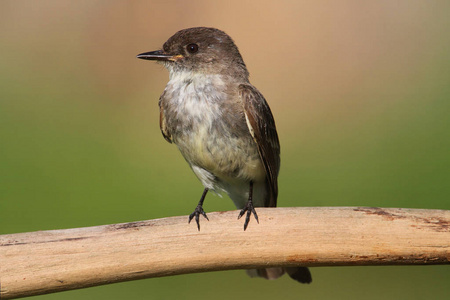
point(262, 128)
point(162, 122)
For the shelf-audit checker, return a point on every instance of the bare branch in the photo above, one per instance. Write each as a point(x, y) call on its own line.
point(58, 260)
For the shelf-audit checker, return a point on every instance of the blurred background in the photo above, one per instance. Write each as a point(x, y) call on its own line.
point(359, 90)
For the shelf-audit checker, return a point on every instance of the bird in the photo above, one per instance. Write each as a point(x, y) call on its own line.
point(222, 125)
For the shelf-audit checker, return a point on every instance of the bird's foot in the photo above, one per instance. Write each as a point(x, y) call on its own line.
point(197, 212)
point(250, 210)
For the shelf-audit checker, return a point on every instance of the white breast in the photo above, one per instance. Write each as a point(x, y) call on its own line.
point(221, 159)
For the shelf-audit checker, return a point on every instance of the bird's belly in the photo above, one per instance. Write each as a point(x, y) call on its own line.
point(221, 152)
point(208, 125)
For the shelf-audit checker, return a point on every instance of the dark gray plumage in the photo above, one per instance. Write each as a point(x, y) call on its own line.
point(221, 124)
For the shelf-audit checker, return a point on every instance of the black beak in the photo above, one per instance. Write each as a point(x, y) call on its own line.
point(155, 55)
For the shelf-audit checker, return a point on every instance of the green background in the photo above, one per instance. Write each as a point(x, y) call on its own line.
point(360, 93)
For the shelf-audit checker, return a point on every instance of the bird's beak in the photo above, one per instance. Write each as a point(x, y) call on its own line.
point(158, 55)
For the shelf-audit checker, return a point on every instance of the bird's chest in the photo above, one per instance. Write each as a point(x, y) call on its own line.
point(194, 109)
point(208, 126)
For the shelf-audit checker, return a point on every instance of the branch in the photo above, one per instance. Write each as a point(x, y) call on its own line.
point(58, 260)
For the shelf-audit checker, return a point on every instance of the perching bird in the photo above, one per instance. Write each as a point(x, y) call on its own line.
point(221, 124)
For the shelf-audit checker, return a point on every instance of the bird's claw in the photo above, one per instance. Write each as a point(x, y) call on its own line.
point(197, 212)
point(250, 210)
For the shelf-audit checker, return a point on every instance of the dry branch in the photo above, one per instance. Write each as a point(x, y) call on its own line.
point(58, 260)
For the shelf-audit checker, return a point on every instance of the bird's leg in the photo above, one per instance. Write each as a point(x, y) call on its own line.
point(199, 210)
point(249, 208)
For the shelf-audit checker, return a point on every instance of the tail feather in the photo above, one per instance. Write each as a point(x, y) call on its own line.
point(268, 193)
point(300, 274)
point(269, 273)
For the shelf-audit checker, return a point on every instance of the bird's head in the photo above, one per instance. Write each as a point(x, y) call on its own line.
point(200, 50)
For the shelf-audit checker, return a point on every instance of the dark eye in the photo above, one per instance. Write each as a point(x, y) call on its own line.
point(192, 48)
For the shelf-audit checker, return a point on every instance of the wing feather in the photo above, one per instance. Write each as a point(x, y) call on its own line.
point(261, 125)
point(162, 122)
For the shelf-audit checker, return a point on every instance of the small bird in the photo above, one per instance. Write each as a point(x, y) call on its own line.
point(221, 124)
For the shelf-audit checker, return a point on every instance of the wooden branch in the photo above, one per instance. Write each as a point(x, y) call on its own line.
point(58, 260)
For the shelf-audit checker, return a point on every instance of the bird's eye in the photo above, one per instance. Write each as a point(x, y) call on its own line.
point(192, 48)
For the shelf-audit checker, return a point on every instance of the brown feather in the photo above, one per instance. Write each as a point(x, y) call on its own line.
point(262, 127)
point(162, 123)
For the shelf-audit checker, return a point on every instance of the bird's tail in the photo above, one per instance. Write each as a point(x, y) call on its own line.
point(300, 274)
point(269, 194)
